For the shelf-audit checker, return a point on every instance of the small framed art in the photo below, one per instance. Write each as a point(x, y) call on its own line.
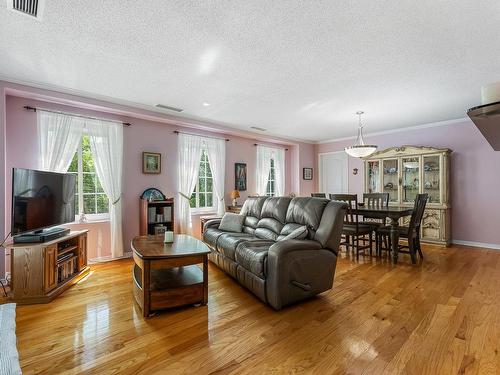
point(240, 176)
point(307, 173)
point(151, 163)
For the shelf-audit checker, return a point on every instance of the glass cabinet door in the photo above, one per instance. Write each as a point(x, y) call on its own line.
point(410, 178)
point(431, 180)
point(390, 178)
point(373, 176)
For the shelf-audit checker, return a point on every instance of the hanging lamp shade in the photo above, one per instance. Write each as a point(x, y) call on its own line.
point(360, 149)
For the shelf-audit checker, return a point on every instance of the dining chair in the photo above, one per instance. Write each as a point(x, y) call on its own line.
point(411, 232)
point(375, 200)
point(352, 228)
point(318, 195)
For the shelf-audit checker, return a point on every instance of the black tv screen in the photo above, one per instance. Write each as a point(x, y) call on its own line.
point(41, 199)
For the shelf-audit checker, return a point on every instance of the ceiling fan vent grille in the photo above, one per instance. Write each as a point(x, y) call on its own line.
point(28, 7)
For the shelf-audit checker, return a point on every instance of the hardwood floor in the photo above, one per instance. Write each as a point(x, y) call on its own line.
point(438, 317)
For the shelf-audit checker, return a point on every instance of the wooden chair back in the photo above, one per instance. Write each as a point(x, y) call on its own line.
point(318, 195)
point(376, 199)
point(418, 212)
point(352, 202)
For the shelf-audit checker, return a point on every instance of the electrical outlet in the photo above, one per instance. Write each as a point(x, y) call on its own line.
point(7, 277)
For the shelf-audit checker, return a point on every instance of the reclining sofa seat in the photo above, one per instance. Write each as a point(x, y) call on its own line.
point(280, 272)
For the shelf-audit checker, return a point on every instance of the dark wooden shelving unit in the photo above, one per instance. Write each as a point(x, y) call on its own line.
point(147, 223)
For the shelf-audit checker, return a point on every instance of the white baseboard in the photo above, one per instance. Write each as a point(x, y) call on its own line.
point(109, 258)
point(477, 244)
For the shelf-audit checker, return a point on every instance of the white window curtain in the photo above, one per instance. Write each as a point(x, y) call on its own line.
point(279, 171)
point(264, 156)
point(189, 154)
point(58, 137)
point(106, 144)
point(216, 151)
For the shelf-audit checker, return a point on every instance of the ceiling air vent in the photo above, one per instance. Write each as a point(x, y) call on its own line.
point(175, 109)
point(257, 128)
point(32, 8)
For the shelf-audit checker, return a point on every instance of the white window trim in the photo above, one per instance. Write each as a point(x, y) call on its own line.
point(80, 216)
point(204, 210)
point(269, 180)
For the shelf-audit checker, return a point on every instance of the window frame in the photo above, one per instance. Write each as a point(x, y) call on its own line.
point(80, 216)
point(208, 209)
point(271, 180)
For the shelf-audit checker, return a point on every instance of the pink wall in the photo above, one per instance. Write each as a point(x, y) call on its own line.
point(143, 135)
point(307, 159)
point(475, 175)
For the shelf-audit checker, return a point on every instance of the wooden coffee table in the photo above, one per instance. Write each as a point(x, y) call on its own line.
point(166, 274)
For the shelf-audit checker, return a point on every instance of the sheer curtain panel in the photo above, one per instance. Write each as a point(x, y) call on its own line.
point(264, 156)
point(216, 150)
point(106, 144)
point(279, 171)
point(58, 137)
point(189, 155)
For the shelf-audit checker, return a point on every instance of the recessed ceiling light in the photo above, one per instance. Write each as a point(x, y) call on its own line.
point(170, 108)
point(257, 128)
point(205, 104)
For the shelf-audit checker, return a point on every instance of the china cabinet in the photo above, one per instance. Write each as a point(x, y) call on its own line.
point(406, 171)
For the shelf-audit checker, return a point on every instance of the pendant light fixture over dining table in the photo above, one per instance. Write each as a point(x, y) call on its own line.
point(360, 149)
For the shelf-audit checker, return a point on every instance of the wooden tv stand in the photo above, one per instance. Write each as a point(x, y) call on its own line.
point(42, 271)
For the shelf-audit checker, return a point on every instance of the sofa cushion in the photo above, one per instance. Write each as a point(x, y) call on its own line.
point(272, 218)
point(299, 233)
point(252, 256)
point(276, 208)
point(289, 228)
point(227, 243)
point(252, 209)
point(210, 236)
point(232, 222)
point(306, 211)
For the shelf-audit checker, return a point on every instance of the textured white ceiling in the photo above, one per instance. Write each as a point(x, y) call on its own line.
point(300, 69)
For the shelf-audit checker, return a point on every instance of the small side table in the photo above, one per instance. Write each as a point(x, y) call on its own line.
point(234, 209)
point(166, 274)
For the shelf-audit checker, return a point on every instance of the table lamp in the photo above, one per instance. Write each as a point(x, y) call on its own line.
point(235, 194)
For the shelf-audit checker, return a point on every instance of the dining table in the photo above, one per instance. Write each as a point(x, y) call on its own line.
point(394, 213)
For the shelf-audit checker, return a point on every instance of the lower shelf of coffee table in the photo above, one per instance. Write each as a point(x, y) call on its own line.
point(170, 287)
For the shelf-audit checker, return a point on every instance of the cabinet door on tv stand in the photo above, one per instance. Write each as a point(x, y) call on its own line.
point(82, 252)
point(50, 267)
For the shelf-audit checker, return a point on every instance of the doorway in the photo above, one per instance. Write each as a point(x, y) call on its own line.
point(333, 173)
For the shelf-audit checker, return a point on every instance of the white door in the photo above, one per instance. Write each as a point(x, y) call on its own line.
point(333, 173)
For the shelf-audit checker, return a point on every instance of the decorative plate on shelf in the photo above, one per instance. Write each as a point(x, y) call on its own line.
point(153, 194)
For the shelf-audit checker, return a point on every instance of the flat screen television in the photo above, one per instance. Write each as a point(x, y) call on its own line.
point(41, 200)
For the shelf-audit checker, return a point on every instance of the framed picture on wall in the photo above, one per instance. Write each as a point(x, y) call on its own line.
point(307, 173)
point(240, 176)
point(151, 163)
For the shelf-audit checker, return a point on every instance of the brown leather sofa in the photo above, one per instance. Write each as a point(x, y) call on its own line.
point(280, 272)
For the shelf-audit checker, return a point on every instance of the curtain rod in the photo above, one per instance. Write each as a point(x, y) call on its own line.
point(200, 135)
point(34, 109)
point(279, 148)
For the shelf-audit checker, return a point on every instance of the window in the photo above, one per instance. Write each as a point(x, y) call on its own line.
point(91, 201)
point(202, 197)
point(271, 181)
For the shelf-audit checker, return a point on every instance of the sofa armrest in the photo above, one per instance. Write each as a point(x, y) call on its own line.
point(212, 223)
point(297, 269)
point(281, 248)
